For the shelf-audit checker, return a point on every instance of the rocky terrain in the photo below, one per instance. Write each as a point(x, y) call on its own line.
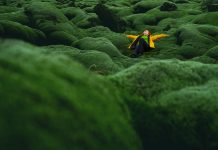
point(67, 81)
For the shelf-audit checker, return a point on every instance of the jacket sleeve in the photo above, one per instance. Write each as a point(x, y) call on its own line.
point(159, 36)
point(132, 36)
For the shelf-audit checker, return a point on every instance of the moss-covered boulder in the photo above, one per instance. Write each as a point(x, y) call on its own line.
point(100, 44)
point(41, 11)
point(213, 52)
point(180, 1)
point(7, 9)
point(204, 59)
point(84, 3)
point(144, 6)
point(98, 62)
point(209, 5)
point(151, 79)
point(74, 14)
point(195, 40)
point(109, 18)
point(207, 18)
point(52, 21)
point(175, 106)
point(67, 27)
point(148, 20)
point(182, 119)
point(120, 40)
point(10, 29)
point(13, 14)
point(51, 102)
point(168, 6)
point(61, 37)
point(94, 61)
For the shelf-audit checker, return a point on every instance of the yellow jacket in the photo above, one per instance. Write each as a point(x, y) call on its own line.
point(152, 39)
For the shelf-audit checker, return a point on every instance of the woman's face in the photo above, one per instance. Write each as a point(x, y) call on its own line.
point(146, 32)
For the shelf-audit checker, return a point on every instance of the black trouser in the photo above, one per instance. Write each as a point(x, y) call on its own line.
point(141, 47)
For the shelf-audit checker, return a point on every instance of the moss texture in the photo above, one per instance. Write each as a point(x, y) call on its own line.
point(77, 88)
point(60, 107)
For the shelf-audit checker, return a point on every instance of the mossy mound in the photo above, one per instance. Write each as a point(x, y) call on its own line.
point(213, 52)
point(122, 11)
point(151, 79)
point(195, 40)
point(74, 14)
point(94, 61)
point(207, 18)
point(183, 119)
point(61, 37)
point(150, 19)
point(61, 49)
point(210, 5)
point(7, 9)
point(56, 104)
point(91, 20)
point(13, 14)
point(40, 11)
point(98, 62)
point(12, 29)
point(144, 6)
point(118, 39)
point(85, 3)
point(168, 6)
point(109, 18)
point(204, 59)
point(51, 20)
point(67, 27)
point(18, 17)
point(175, 103)
point(99, 44)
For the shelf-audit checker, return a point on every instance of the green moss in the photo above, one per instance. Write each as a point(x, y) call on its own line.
point(204, 59)
point(61, 49)
point(194, 41)
point(118, 39)
point(17, 16)
point(184, 119)
point(90, 21)
point(122, 11)
point(207, 18)
point(49, 19)
point(213, 52)
point(74, 14)
point(68, 27)
point(61, 37)
point(109, 18)
point(39, 11)
point(94, 61)
point(98, 62)
point(80, 18)
point(168, 6)
point(8, 9)
point(144, 6)
point(16, 30)
point(99, 44)
point(58, 104)
point(176, 103)
point(209, 5)
point(152, 18)
point(151, 79)
point(84, 3)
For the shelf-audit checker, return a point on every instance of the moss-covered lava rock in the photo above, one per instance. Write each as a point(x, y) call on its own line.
point(52, 102)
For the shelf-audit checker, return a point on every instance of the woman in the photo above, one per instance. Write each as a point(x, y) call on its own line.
point(144, 42)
